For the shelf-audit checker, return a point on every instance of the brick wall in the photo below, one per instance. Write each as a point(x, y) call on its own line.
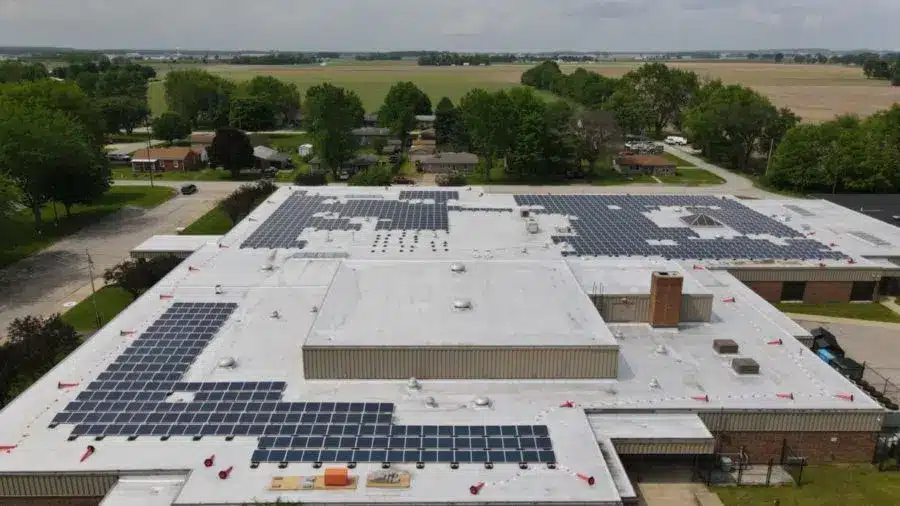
point(818, 447)
point(820, 292)
point(769, 290)
point(50, 501)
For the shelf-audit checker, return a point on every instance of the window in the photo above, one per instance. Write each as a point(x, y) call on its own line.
point(793, 290)
point(862, 290)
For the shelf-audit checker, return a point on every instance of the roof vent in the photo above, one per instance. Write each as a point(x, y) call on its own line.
point(413, 384)
point(661, 350)
point(654, 383)
point(457, 267)
point(462, 304)
point(227, 363)
point(725, 346)
point(219, 290)
point(532, 227)
point(430, 402)
point(482, 402)
point(745, 366)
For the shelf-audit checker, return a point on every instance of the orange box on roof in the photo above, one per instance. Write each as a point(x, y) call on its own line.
point(336, 477)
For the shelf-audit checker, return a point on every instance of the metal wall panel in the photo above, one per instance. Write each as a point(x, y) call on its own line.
point(793, 421)
point(809, 274)
point(153, 254)
point(461, 362)
point(56, 485)
point(660, 447)
point(636, 308)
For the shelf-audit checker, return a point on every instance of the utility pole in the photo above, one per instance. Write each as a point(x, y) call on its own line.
point(93, 288)
point(149, 160)
point(769, 158)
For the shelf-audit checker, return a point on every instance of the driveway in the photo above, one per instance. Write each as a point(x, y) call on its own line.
point(42, 283)
point(734, 184)
point(126, 148)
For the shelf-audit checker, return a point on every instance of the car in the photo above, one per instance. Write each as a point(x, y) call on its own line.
point(189, 189)
point(676, 140)
point(118, 157)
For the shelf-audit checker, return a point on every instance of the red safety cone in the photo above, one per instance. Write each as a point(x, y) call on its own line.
point(846, 397)
point(788, 395)
point(209, 461)
point(589, 479)
point(474, 489)
point(776, 341)
point(704, 398)
point(165, 296)
point(728, 299)
point(224, 473)
point(60, 385)
point(567, 404)
point(87, 453)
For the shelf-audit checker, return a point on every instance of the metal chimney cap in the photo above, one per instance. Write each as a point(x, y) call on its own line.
point(482, 401)
point(413, 384)
point(227, 362)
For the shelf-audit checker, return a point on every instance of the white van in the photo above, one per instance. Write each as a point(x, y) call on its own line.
point(676, 140)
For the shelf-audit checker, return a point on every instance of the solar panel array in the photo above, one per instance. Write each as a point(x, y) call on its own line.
point(141, 394)
point(624, 230)
point(301, 211)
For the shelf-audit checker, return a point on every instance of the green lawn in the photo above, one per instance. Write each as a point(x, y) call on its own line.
point(692, 177)
point(110, 301)
point(21, 239)
point(859, 311)
point(680, 162)
point(215, 222)
point(371, 80)
point(125, 138)
point(124, 173)
point(859, 485)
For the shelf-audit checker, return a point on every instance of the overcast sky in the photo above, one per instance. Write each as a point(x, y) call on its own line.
point(461, 25)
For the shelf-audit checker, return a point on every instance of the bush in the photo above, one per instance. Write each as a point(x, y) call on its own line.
point(243, 200)
point(375, 176)
point(450, 180)
point(138, 276)
point(310, 179)
point(33, 347)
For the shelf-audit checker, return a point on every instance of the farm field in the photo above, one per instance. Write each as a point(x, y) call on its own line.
point(815, 92)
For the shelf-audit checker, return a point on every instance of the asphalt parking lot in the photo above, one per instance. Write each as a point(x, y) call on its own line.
point(876, 346)
point(881, 207)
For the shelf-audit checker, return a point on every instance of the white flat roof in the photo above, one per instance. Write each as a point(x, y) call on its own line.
point(523, 291)
point(176, 243)
point(648, 426)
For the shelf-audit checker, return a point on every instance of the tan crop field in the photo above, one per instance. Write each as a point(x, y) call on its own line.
point(815, 92)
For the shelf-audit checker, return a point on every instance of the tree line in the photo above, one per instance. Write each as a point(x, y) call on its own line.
point(883, 67)
point(277, 59)
point(446, 59)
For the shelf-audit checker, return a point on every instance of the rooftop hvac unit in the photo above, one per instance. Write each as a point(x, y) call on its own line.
point(745, 366)
point(725, 346)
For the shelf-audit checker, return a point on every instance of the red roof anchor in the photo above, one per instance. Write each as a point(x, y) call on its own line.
point(474, 489)
point(846, 397)
point(87, 453)
point(851, 261)
point(223, 246)
point(567, 404)
point(60, 385)
point(209, 461)
point(224, 473)
point(7, 448)
point(589, 479)
point(831, 245)
point(126, 332)
point(778, 341)
point(728, 299)
point(192, 268)
point(789, 395)
point(704, 398)
point(698, 267)
point(165, 296)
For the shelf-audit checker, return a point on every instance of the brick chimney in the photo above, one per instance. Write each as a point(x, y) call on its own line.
point(665, 299)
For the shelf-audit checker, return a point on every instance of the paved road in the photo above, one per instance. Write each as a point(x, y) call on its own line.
point(130, 147)
point(876, 344)
point(44, 282)
point(734, 184)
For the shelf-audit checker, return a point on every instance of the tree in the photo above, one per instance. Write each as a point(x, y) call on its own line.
point(33, 347)
point(448, 126)
point(542, 76)
point(170, 126)
point(231, 149)
point(401, 105)
point(632, 113)
point(728, 124)
point(12, 71)
point(138, 276)
point(9, 196)
point(775, 131)
point(75, 183)
point(37, 145)
point(282, 98)
point(665, 91)
point(779, 57)
point(240, 202)
point(331, 114)
point(895, 73)
point(476, 110)
point(251, 113)
point(65, 97)
point(595, 130)
point(123, 113)
point(198, 96)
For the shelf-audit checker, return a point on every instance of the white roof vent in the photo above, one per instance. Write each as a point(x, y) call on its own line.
point(482, 402)
point(430, 402)
point(458, 267)
point(413, 384)
point(462, 304)
point(227, 363)
point(661, 350)
point(654, 383)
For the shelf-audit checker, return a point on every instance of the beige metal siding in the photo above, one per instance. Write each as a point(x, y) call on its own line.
point(663, 447)
point(636, 308)
point(696, 308)
point(460, 363)
point(810, 274)
point(793, 421)
point(56, 485)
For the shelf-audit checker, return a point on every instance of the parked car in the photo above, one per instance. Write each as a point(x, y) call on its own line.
point(189, 189)
point(676, 140)
point(118, 157)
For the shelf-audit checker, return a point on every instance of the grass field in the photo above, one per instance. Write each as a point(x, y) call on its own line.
point(20, 239)
point(214, 222)
point(815, 92)
point(111, 300)
point(687, 176)
point(859, 485)
point(872, 312)
point(679, 161)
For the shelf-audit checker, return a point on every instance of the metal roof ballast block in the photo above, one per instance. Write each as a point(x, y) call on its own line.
point(725, 346)
point(745, 366)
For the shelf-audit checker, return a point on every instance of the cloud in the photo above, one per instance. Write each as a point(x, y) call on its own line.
point(462, 25)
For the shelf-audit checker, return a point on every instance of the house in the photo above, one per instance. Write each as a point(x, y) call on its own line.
point(422, 150)
point(428, 134)
point(358, 164)
point(165, 160)
point(202, 138)
point(425, 120)
point(370, 120)
point(365, 135)
point(203, 151)
point(448, 163)
point(266, 157)
point(644, 164)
